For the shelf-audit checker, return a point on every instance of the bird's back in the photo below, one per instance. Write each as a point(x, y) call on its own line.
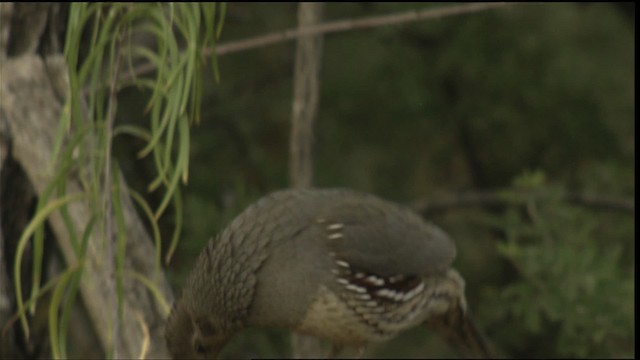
point(304, 233)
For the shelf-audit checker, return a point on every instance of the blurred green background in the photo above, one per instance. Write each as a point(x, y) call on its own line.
point(537, 97)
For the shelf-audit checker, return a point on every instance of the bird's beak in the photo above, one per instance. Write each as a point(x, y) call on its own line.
point(460, 331)
point(215, 344)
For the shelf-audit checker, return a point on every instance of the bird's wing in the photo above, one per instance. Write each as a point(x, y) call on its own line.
point(382, 237)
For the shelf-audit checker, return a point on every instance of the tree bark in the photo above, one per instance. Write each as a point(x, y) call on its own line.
point(30, 105)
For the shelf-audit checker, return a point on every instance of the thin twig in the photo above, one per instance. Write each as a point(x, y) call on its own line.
point(601, 202)
point(354, 24)
point(501, 198)
point(306, 84)
point(305, 97)
point(333, 27)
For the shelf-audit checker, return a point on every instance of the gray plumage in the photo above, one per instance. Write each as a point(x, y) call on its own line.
point(338, 264)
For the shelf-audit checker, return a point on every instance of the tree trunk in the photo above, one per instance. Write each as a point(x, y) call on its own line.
point(32, 91)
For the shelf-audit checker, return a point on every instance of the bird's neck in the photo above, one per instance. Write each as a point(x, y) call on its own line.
point(222, 283)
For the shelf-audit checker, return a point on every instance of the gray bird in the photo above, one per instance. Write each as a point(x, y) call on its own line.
point(337, 264)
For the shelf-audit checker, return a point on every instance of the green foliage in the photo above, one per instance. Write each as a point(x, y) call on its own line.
point(37, 221)
point(102, 40)
point(572, 283)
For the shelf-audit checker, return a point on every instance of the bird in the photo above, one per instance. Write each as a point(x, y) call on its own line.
point(338, 264)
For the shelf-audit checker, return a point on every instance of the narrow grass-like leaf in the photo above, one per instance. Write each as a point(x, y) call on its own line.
point(177, 201)
point(38, 237)
point(162, 176)
point(75, 282)
point(183, 154)
point(153, 222)
point(56, 299)
point(155, 119)
point(148, 84)
point(209, 14)
point(220, 23)
point(61, 130)
point(184, 147)
point(85, 238)
point(132, 130)
point(133, 13)
point(173, 113)
point(168, 144)
point(65, 316)
point(162, 30)
point(170, 113)
point(155, 183)
point(66, 217)
point(22, 243)
point(121, 238)
point(170, 53)
point(196, 96)
point(176, 73)
point(191, 32)
point(157, 294)
point(44, 290)
point(214, 65)
point(79, 14)
point(147, 53)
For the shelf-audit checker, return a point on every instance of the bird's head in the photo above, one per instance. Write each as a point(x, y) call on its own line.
point(190, 336)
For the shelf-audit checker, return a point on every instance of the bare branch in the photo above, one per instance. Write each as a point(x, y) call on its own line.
point(306, 82)
point(305, 96)
point(602, 202)
point(333, 27)
point(502, 198)
point(355, 24)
